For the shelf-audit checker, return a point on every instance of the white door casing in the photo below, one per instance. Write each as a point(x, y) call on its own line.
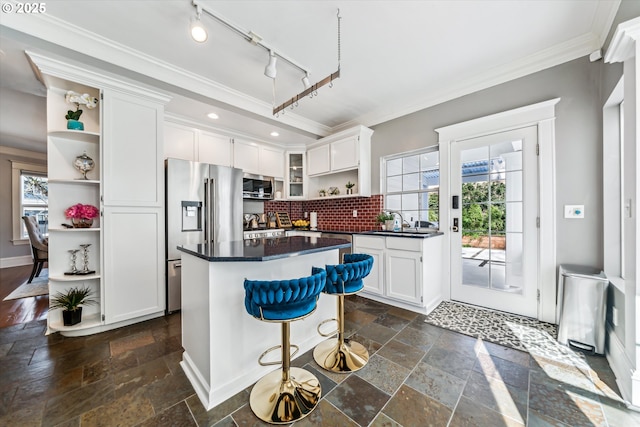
point(541, 115)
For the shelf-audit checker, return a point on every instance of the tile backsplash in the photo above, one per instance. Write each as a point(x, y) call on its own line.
point(334, 213)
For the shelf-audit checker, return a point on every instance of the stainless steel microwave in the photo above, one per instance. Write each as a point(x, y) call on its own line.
point(257, 187)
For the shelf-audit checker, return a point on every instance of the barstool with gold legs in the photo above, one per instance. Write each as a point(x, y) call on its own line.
point(339, 354)
point(289, 394)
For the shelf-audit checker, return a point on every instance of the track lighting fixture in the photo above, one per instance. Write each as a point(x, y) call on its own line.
point(198, 32)
point(270, 70)
point(305, 81)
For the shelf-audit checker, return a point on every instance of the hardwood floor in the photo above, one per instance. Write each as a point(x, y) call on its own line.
point(21, 310)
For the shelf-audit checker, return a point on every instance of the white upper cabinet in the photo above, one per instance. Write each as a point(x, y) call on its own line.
point(189, 143)
point(272, 162)
point(179, 141)
point(318, 160)
point(345, 154)
point(133, 152)
point(340, 159)
point(246, 156)
point(214, 149)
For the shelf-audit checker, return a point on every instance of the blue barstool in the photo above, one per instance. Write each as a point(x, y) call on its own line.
point(339, 354)
point(290, 394)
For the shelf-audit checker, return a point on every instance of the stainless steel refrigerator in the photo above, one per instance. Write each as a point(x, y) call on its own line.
point(203, 204)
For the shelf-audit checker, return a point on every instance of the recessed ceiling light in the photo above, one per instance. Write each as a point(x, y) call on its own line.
point(274, 133)
point(212, 116)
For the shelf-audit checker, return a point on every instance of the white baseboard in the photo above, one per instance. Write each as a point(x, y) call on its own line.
point(16, 261)
point(621, 366)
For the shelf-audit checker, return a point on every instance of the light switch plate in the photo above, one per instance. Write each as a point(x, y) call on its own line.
point(574, 211)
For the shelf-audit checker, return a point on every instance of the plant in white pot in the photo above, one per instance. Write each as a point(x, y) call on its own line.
point(70, 302)
point(383, 219)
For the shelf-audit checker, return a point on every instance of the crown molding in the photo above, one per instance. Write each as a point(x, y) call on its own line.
point(544, 59)
point(623, 44)
point(70, 36)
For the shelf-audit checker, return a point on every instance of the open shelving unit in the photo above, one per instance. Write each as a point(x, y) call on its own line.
point(66, 188)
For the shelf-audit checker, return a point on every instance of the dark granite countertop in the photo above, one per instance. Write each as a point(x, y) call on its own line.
point(262, 249)
point(408, 234)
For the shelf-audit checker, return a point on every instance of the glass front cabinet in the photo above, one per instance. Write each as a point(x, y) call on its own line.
point(296, 175)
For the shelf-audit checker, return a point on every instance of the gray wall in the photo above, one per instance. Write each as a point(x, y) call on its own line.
point(578, 143)
point(7, 249)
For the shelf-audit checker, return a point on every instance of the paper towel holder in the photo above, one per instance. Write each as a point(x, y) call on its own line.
point(313, 220)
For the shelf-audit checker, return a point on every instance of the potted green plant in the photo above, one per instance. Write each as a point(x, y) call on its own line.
point(382, 219)
point(322, 192)
point(70, 302)
point(350, 186)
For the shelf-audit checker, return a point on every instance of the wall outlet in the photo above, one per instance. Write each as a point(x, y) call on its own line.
point(614, 316)
point(355, 213)
point(574, 211)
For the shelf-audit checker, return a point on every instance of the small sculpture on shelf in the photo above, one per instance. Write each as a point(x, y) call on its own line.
point(73, 117)
point(81, 215)
point(334, 191)
point(84, 164)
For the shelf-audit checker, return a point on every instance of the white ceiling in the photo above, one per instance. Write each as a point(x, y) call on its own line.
point(397, 57)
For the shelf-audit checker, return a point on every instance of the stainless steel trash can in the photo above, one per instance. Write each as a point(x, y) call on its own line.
point(582, 307)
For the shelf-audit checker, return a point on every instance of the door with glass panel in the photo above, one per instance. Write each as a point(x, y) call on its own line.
point(494, 238)
point(412, 187)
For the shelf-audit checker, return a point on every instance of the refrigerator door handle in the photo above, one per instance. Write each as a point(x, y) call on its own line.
point(211, 210)
point(205, 211)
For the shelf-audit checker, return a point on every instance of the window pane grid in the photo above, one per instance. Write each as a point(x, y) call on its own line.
point(412, 188)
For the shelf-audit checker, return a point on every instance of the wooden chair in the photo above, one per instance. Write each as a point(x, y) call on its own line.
point(39, 245)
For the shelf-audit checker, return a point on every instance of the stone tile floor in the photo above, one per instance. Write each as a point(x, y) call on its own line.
point(418, 375)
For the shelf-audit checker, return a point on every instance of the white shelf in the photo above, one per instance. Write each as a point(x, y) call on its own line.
point(76, 135)
point(74, 277)
point(74, 230)
point(74, 181)
point(339, 196)
point(90, 321)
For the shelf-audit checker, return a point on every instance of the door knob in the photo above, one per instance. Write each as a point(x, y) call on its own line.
point(455, 227)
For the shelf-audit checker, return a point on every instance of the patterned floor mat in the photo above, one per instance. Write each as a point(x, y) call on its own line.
point(522, 333)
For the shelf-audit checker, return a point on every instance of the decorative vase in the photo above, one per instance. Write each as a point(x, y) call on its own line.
point(81, 222)
point(349, 190)
point(74, 124)
point(84, 164)
point(383, 227)
point(72, 317)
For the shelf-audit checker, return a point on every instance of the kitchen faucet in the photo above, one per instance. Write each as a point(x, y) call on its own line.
point(402, 221)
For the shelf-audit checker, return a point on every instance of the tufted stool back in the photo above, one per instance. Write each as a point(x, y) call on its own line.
point(282, 300)
point(347, 278)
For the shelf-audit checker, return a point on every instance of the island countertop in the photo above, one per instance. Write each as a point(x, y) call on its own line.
point(262, 249)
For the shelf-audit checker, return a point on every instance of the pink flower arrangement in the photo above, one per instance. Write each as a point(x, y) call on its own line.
point(81, 211)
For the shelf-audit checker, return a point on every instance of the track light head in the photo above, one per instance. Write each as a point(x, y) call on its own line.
point(270, 70)
point(305, 81)
point(198, 32)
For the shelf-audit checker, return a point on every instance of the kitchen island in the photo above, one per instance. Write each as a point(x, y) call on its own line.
point(222, 342)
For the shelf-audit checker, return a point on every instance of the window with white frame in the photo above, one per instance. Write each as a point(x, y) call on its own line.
point(30, 198)
point(412, 186)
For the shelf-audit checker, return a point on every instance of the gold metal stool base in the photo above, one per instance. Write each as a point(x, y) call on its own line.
point(278, 401)
point(345, 356)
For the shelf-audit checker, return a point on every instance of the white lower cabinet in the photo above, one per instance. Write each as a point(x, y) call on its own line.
point(403, 276)
point(406, 271)
point(134, 271)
